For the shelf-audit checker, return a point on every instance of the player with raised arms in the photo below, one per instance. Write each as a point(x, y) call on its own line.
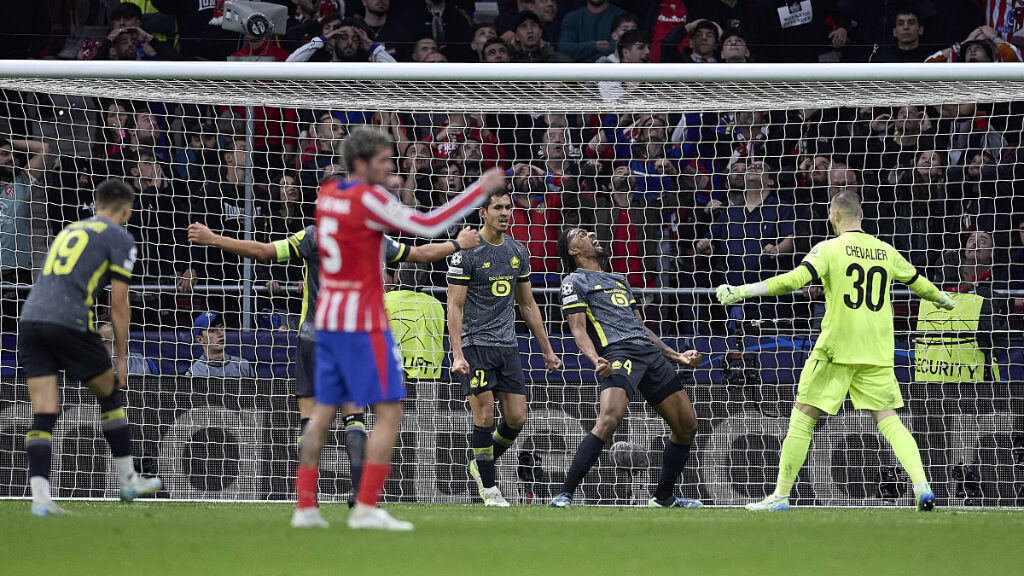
point(628, 357)
point(481, 323)
point(356, 358)
point(854, 352)
point(303, 245)
point(57, 333)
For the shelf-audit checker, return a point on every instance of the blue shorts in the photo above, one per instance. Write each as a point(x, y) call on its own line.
point(359, 367)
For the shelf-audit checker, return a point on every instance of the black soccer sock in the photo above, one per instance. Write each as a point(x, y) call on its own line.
point(115, 425)
point(673, 462)
point(355, 446)
point(302, 429)
point(585, 458)
point(38, 445)
point(483, 453)
point(503, 438)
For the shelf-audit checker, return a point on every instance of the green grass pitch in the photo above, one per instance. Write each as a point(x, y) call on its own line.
point(156, 538)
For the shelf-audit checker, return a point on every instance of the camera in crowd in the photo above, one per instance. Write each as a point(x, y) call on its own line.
point(255, 18)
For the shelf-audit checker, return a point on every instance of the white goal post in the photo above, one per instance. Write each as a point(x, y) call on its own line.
point(665, 162)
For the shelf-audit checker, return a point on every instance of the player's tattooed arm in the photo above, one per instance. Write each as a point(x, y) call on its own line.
point(688, 358)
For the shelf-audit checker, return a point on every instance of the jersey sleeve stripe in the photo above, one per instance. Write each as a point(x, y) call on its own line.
point(577, 305)
point(810, 267)
point(912, 280)
point(459, 280)
point(117, 270)
point(386, 211)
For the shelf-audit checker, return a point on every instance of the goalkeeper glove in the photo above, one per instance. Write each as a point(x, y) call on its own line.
point(945, 301)
point(727, 294)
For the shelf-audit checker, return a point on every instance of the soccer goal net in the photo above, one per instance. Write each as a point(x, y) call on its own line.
point(691, 176)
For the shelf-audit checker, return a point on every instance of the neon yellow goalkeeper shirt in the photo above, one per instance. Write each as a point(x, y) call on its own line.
point(856, 270)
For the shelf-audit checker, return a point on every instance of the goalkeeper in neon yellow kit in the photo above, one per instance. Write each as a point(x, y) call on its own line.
point(854, 353)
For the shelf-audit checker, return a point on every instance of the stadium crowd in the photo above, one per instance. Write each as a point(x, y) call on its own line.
point(684, 200)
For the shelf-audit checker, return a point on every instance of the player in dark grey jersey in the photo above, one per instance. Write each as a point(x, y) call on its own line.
point(628, 357)
point(303, 245)
point(57, 333)
point(484, 284)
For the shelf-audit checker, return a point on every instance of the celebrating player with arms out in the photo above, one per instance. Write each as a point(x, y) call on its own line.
point(57, 333)
point(303, 245)
point(628, 357)
point(356, 358)
point(481, 322)
point(855, 350)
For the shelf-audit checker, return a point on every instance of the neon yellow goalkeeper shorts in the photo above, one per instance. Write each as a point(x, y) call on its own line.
point(825, 385)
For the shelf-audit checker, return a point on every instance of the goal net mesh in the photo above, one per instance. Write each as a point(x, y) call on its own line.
point(689, 185)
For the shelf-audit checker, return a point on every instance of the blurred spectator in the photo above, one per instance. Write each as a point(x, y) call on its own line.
point(620, 25)
point(632, 48)
point(471, 156)
point(966, 127)
point(973, 270)
point(726, 13)
point(547, 11)
point(1016, 265)
point(323, 149)
point(285, 215)
point(670, 15)
point(274, 138)
point(900, 137)
point(529, 37)
point(446, 184)
point(907, 29)
point(536, 218)
point(208, 332)
point(1005, 17)
point(747, 134)
point(138, 365)
point(443, 21)
point(459, 126)
point(586, 32)
point(197, 38)
point(807, 31)
point(144, 135)
point(703, 38)
point(481, 34)
point(654, 170)
point(305, 21)
point(343, 41)
point(220, 204)
point(984, 203)
point(734, 48)
point(15, 195)
point(983, 45)
point(160, 204)
point(25, 30)
point(385, 30)
point(919, 217)
point(495, 50)
point(127, 40)
point(417, 166)
point(748, 238)
point(111, 135)
point(198, 152)
point(260, 49)
point(424, 47)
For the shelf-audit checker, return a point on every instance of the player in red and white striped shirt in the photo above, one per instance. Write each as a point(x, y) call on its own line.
point(356, 357)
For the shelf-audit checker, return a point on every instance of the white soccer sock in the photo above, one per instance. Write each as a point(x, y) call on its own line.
point(40, 490)
point(920, 487)
point(125, 468)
